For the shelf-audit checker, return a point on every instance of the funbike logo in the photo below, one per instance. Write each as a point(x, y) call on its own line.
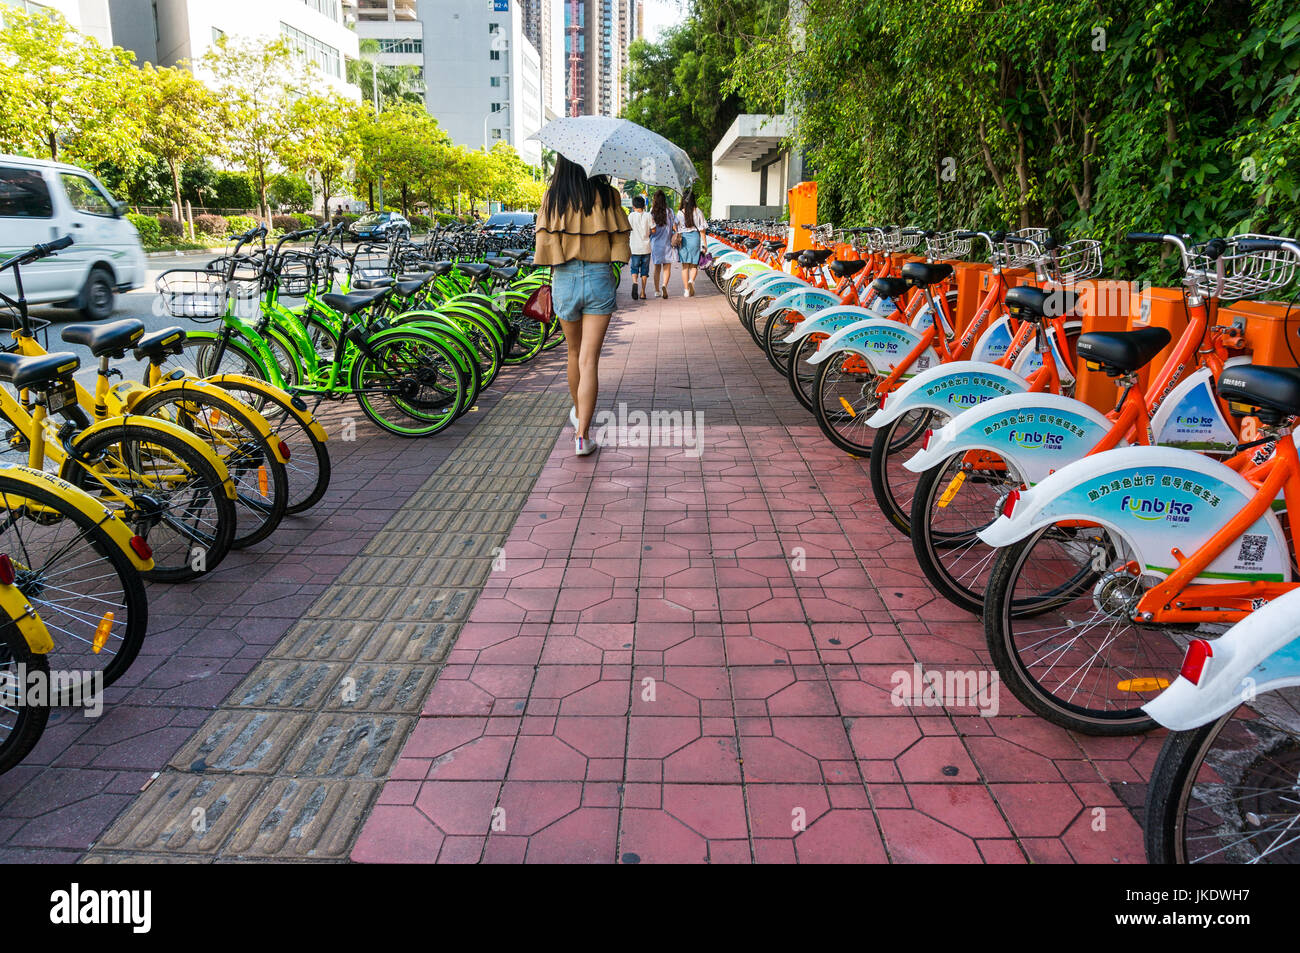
point(1155, 508)
point(658, 428)
point(965, 400)
point(1036, 439)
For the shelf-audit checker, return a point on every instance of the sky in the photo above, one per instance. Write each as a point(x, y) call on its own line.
point(661, 14)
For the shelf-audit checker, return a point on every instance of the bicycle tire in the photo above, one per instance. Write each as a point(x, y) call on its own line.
point(205, 543)
point(261, 481)
point(93, 576)
point(398, 359)
point(888, 445)
point(21, 722)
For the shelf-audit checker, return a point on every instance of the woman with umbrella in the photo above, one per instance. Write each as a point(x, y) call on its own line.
point(581, 231)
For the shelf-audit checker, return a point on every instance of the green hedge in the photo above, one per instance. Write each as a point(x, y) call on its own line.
point(148, 227)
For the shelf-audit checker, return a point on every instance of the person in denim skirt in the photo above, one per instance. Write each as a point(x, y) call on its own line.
point(581, 231)
point(691, 223)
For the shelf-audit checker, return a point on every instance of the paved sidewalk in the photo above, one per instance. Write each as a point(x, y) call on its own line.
point(689, 657)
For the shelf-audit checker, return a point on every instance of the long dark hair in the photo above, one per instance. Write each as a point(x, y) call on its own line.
point(688, 209)
point(659, 208)
point(572, 189)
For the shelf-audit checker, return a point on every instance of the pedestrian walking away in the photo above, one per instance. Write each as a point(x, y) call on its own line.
point(581, 231)
point(663, 253)
point(691, 224)
point(639, 242)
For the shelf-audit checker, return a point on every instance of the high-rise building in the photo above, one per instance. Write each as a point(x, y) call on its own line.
point(596, 38)
point(544, 26)
point(481, 74)
point(86, 16)
point(167, 32)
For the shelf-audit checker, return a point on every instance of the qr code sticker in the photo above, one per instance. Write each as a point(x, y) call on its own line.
point(1252, 548)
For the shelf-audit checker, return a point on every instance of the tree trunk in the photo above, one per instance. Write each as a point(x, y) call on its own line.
point(54, 146)
point(176, 180)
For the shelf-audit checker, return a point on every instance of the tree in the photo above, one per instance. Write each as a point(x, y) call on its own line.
point(60, 90)
point(256, 83)
point(404, 147)
point(234, 190)
point(290, 191)
point(181, 123)
point(396, 83)
point(326, 140)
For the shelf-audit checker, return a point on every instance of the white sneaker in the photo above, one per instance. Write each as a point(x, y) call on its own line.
point(573, 417)
point(584, 446)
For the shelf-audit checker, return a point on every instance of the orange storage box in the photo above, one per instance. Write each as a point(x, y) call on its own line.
point(968, 275)
point(1103, 306)
point(1151, 307)
point(803, 211)
point(1267, 327)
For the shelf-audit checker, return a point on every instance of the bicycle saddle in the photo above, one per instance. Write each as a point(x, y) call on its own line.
point(1273, 388)
point(505, 274)
point(1027, 301)
point(922, 274)
point(409, 286)
point(156, 346)
point(819, 255)
point(517, 254)
point(499, 262)
point(791, 255)
point(110, 339)
point(352, 303)
point(774, 245)
point(442, 267)
point(475, 269)
point(1120, 351)
point(367, 284)
point(847, 269)
point(34, 371)
point(889, 287)
point(423, 277)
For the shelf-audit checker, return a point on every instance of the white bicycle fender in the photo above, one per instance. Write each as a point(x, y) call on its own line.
point(1259, 654)
point(806, 301)
point(770, 285)
point(880, 341)
point(1035, 433)
point(1158, 499)
point(952, 387)
point(829, 321)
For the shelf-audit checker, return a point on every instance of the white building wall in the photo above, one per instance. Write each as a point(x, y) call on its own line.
point(459, 69)
point(188, 28)
point(88, 16)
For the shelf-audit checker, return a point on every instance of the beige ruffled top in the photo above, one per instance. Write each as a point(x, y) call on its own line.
point(600, 236)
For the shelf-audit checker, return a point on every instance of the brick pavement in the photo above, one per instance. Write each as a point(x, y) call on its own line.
point(653, 676)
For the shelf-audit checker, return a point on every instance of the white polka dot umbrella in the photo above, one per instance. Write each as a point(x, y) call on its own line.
point(606, 146)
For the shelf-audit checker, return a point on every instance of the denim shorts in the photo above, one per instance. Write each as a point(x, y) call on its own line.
point(582, 287)
point(689, 252)
point(640, 265)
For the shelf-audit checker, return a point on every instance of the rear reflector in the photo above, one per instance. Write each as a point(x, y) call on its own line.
point(141, 548)
point(284, 451)
point(1198, 653)
point(1009, 506)
point(7, 572)
point(925, 441)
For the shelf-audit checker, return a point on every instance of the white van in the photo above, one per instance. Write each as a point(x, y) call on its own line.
point(41, 201)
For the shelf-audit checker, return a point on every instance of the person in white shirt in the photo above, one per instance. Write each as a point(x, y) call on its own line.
point(639, 241)
point(691, 223)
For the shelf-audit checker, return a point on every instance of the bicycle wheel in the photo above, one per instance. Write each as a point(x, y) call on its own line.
point(408, 383)
point(1225, 793)
point(208, 356)
point(951, 503)
point(22, 719)
point(846, 398)
point(308, 468)
point(168, 493)
point(893, 484)
point(802, 375)
point(78, 580)
point(1057, 623)
point(229, 430)
point(324, 339)
point(775, 331)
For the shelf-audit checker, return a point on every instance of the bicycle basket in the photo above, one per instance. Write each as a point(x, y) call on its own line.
point(946, 246)
point(205, 295)
point(295, 274)
point(1077, 260)
point(894, 240)
point(370, 261)
point(1241, 274)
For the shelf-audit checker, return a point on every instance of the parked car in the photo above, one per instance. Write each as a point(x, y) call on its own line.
point(381, 226)
point(41, 201)
point(502, 222)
